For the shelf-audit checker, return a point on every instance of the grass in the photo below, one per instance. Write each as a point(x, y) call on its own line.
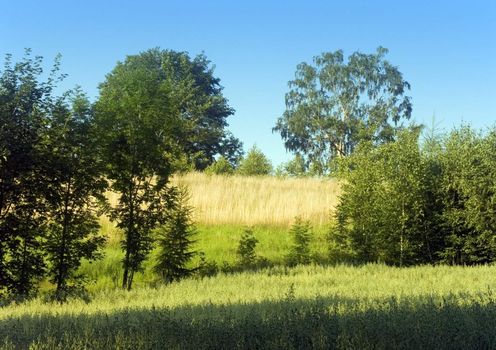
point(268, 201)
point(367, 307)
point(223, 207)
point(218, 242)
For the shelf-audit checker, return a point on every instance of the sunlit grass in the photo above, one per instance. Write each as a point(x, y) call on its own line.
point(372, 306)
point(242, 200)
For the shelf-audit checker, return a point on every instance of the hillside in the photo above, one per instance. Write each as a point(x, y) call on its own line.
point(244, 200)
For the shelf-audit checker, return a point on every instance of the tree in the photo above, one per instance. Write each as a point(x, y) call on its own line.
point(200, 104)
point(246, 249)
point(175, 241)
point(220, 167)
point(77, 185)
point(333, 105)
point(26, 103)
point(140, 128)
point(300, 251)
point(468, 192)
point(255, 163)
point(388, 210)
point(296, 167)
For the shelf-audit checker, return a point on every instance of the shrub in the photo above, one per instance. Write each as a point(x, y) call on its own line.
point(387, 211)
point(220, 167)
point(406, 202)
point(246, 249)
point(206, 268)
point(300, 251)
point(255, 163)
point(175, 240)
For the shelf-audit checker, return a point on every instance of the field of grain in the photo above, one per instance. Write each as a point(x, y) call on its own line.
point(367, 307)
point(242, 200)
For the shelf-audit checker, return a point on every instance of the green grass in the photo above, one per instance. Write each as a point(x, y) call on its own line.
point(368, 307)
point(218, 242)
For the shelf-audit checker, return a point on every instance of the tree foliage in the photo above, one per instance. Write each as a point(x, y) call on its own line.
point(76, 190)
point(220, 167)
point(255, 163)
point(300, 251)
point(407, 203)
point(295, 167)
point(468, 192)
point(197, 93)
point(175, 238)
point(26, 103)
point(332, 105)
point(49, 178)
point(139, 127)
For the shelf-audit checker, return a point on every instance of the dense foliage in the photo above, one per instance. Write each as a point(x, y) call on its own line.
point(407, 202)
point(156, 112)
point(255, 163)
point(220, 167)
point(49, 180)
point(73, 196)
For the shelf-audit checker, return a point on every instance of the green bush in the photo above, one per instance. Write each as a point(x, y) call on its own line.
point(220, 167)
point(296, 167)
point(406, 202)
point(255, 163)
point(175, 241)
point(300, 251)
point(246, 249)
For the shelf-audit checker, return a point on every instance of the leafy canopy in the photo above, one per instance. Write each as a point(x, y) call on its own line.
point(332, 105)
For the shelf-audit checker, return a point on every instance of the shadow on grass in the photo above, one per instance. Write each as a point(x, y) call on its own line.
point(322, 323)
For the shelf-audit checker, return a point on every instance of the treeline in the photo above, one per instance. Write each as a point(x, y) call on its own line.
point(157, 112)
point(415, 201)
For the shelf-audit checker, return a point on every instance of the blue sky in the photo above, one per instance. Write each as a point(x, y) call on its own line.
point(445, 49)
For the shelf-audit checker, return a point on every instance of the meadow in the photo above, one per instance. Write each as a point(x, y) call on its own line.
point(343, 307)
point(223, 207)
point(318, 306)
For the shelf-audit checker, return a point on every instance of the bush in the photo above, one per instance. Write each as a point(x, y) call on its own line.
point(175, 240)
point(206, 268)
point(406, 203)
point(293, 168)
point(387, 212)
point(246, 249)
point(255, 163)
point(300, 251)
point(220, 167)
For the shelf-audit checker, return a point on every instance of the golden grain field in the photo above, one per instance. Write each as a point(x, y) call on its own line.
point(259, 200)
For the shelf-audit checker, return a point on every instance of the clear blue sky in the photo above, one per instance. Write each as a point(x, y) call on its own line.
point(445, 49)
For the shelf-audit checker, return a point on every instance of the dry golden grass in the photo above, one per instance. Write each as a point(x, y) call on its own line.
point(259, 200)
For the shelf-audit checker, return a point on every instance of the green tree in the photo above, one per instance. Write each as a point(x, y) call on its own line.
point(333, 105)
point(246, 249)
point(468, 192)
point(300, 251)
point(200, 104)
point(255, 163)
point(175, 239)
point(140, 128)
point(220, 167)
point(77, 185)
point(388, 209)
point(26, 103)
point(296, 167)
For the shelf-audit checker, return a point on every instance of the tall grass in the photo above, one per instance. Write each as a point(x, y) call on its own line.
point(368, 307)
point(259, 200)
